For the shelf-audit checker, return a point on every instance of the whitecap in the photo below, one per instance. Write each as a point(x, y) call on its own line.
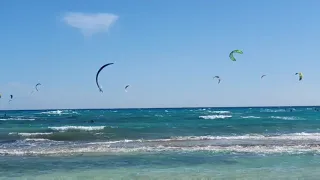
point(38, 140)
point(287, 118)
point(215, 116)
point(59, 112)
point(83, 128)
point(291, 136)
point(273, 110)
point(220, 112)
point(297, 149)
point(250, 117)
point(30, 134)
point(17, 119)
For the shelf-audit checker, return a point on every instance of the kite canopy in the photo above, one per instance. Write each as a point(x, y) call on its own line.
point(39, 84)
point(234, 51)
point(218, 77)
point(11, 97)
point(300, 75)
point(125, 88)
point(97, 75)
point(263, 76)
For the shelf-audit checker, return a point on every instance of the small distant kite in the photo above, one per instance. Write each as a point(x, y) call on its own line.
point(36, 87)
point(11, 97)
point(218, 77)
point(234, 51)
point(97, 75)
point(263, 76)
point(300, 75)
point(39, 84)
point(125, 88)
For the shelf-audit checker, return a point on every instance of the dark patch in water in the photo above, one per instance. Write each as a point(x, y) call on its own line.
point(7, 141)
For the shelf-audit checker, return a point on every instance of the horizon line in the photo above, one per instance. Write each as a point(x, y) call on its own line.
point(186, 107)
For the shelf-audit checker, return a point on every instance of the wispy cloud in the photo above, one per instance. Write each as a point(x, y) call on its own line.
point(90, 24)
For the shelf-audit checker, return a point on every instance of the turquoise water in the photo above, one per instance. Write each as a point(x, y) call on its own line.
point(184, 143)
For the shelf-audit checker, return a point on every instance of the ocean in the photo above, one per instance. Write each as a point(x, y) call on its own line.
point(173, 143)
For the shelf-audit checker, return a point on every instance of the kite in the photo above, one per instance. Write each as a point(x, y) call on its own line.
point(97, 75)
point(218, 77)
point(125, 88)
point(39, 84)
point(300, 75)
point(11, 97)
point(234, 51)
point(36, 87)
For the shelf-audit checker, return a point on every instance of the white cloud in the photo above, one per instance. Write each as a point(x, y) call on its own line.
point(90, 24)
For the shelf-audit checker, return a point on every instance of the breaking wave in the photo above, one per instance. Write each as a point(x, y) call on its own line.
point(215, 116)
point(258, 144)
point(83, 128)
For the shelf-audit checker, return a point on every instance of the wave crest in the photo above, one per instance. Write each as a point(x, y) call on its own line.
point(215, 116)
point(83, 128)
point(261, 144)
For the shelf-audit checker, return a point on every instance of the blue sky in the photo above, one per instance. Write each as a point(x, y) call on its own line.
point(168, 51)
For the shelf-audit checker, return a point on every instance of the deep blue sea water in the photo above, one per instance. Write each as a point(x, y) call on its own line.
point(181, 143)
